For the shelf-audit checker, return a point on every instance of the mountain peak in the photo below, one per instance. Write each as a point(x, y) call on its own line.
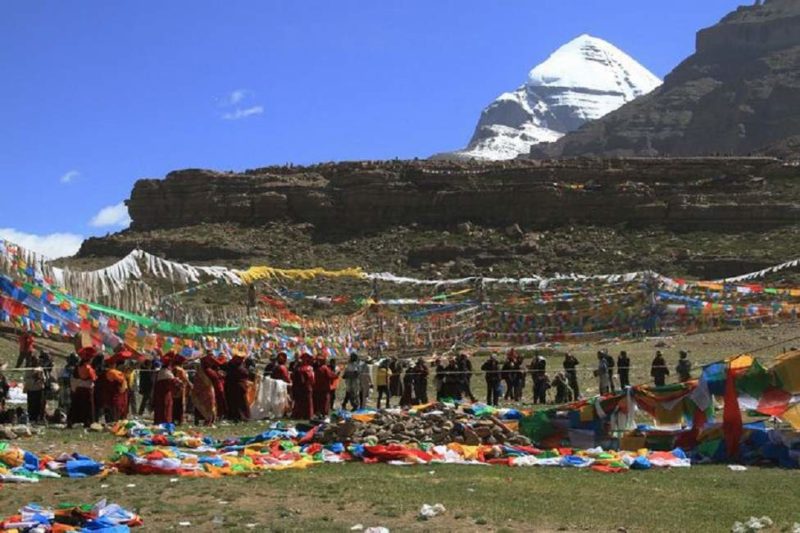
point(583, 80)
point(593, 64)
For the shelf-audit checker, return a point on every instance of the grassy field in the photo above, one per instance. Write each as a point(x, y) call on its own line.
point(337, 497)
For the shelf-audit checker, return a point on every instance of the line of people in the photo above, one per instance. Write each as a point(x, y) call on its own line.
point(94, 387)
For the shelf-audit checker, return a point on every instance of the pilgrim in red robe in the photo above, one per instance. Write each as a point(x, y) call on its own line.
point(204, 391)
point(303, 389)
point(117, 391)
point(236, 387)
point(163, 391)
point(182, 388)
point(81, 407)
point(280, 372)
point(324, 376)
point(102, 404)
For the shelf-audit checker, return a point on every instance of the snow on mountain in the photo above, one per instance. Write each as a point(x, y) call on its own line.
point(583, 80)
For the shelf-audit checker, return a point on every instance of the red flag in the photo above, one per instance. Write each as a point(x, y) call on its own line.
point(732, 416)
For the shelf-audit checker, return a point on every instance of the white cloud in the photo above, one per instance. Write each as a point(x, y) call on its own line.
point(111, 216)
point(69, 177)
point(243, 113)
point(54, 245)
point(236, 97)
point(235, 111)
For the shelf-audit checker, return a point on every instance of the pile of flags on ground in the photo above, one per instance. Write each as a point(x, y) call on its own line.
point(100, 517)
point(162, 450)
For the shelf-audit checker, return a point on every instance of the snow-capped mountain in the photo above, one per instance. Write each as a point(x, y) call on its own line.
point(583, 80)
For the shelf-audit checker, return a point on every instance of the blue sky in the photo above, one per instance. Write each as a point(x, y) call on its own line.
point(97, 94)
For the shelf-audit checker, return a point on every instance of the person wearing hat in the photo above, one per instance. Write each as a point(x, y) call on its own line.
point(163, 392)
point(303, 389)
point(684, 368)
point(81, 408)
point(659, 370)
point(538, 370)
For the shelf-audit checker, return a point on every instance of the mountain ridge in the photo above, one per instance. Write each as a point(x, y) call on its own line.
point(738, 94)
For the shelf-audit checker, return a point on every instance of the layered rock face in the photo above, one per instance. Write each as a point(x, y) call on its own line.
point(689, 194)
point(738, 94)
point(583, 80)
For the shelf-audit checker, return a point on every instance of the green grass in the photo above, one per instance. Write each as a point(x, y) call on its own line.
point(336, 497)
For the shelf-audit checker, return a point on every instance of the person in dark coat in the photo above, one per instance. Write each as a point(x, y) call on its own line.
point(451, 381)
point(409, 382)
point(659, 370)
point(438, 378)
point(509, 374)
point(623, 369)
point(465, 374)
point(396, 378)
point(684, 368)
point(421, 381)
point(570, 371)
point(518, 378)
point(491, 370)
point(562, 388)
point(538, 368)
point(610, 370)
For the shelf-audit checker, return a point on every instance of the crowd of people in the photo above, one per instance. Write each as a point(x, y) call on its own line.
point(93, 386)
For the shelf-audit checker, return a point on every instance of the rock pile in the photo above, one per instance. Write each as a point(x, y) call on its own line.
point(15, 432)
point(440, 426)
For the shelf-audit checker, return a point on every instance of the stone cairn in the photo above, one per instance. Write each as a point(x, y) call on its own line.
point(438, 425)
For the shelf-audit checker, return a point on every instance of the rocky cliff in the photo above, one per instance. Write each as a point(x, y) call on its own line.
point(738, 94)
point(684, 194)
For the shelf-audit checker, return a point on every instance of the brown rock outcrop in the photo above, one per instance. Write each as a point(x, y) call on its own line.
point(684, 194)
